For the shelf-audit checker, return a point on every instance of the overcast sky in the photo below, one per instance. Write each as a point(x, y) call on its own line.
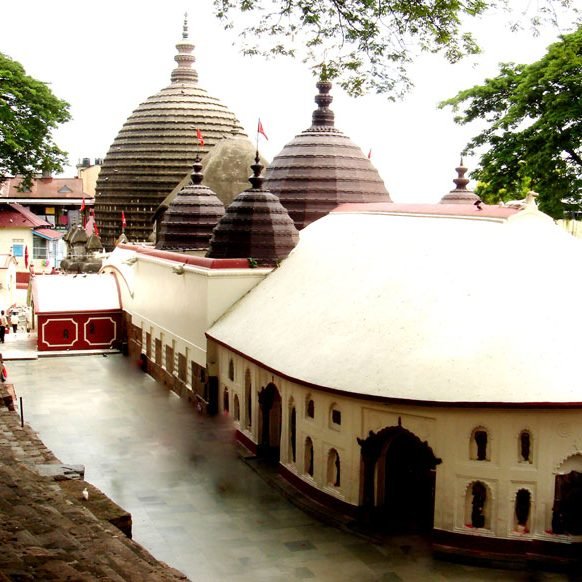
point(106, 57)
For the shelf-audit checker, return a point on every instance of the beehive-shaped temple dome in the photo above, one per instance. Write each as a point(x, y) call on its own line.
point(256, 226)
point(321, 168)
point(460, 194)
point(155, 149)
point(188, 222)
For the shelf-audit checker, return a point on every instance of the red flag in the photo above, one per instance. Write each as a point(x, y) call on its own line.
point(123, 221)
point(83, 204)
point(261, 130)
point(95, 229)
point(26, 257)
point(199, 136)
point(370, 154)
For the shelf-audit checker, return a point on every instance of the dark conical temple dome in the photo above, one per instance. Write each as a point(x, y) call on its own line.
point(255, 226)
point(460, 194)
point(155, 149)
point(321, 168)
point(189, 220)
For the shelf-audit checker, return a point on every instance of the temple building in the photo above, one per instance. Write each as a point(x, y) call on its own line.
point(407, 365)
point(410, 366)
point(156, 147)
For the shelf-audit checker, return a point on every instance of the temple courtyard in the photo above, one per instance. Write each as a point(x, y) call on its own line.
point(196, 504)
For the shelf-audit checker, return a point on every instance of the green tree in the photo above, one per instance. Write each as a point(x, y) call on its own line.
point(28, 114)
point(367, 45)
point(533, 128)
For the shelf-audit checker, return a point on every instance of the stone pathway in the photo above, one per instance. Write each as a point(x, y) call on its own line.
point(195, 505)
point(47, 533)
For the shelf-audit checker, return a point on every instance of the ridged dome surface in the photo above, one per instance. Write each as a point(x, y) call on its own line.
point(188, 222)
point(155, 149)
point(321, 168)
point(255, 226)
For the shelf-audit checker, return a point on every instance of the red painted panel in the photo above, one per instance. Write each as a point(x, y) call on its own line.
point(78, 331)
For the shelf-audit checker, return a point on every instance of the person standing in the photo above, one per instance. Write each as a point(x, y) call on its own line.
point(14, 321)
point(3, 324)
point(3, 370)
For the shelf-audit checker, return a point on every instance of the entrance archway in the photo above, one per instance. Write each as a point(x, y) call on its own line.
point(399, 473)
point(270, 423)
point(567, 510)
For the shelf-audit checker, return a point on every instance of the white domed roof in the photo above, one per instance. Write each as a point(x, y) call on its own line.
point(422, 305)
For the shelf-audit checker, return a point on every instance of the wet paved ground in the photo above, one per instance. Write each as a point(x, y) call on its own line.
point(194, 504)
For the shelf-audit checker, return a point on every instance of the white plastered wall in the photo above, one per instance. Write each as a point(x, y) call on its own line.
point(177, 307)
point(556, 435)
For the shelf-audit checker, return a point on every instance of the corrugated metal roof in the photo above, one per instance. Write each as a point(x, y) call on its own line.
point(48, 233)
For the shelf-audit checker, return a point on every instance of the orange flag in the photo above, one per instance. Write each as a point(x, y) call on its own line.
point(199, 136)
point(261, 130)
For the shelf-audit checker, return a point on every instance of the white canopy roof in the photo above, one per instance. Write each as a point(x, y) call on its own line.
point(75, 293)
point(419, 307)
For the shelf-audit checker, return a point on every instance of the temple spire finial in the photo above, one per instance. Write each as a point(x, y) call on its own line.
point(323, 115)
point(256, 179)
point(197, 175)
point(460, 181)
point(184, 72)
point(185, 27)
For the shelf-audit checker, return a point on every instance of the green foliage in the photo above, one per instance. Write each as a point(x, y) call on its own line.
point(366, 44)
point(533, 133)
point(28, 113)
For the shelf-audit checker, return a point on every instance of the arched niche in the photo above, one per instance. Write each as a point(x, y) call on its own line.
point(478, 505)
point(248, 399)
point(479, 444)
point(308, 460)
point(333, 468)
point(292, 431)
point(236, 408)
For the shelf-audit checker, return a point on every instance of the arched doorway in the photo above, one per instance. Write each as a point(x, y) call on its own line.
point(567, 509)
point(270, 423)
point(399, 473)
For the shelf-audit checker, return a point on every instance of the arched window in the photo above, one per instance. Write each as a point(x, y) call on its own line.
point(236, 408)
point(477, 505)
point(309, 407)
point(333, 468)
point(522, 510)
point(335, 416)
point(479, 445)
point(292, 432)
point(525, 447)
point(308, 461)
point(248, 399)
point(231, 370)
point(225, 401)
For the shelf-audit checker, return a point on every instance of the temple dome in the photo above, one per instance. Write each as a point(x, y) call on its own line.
point(321, 168)
point(188, 222)
point(156, 147)
point(256, 226)
point(226, 171)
